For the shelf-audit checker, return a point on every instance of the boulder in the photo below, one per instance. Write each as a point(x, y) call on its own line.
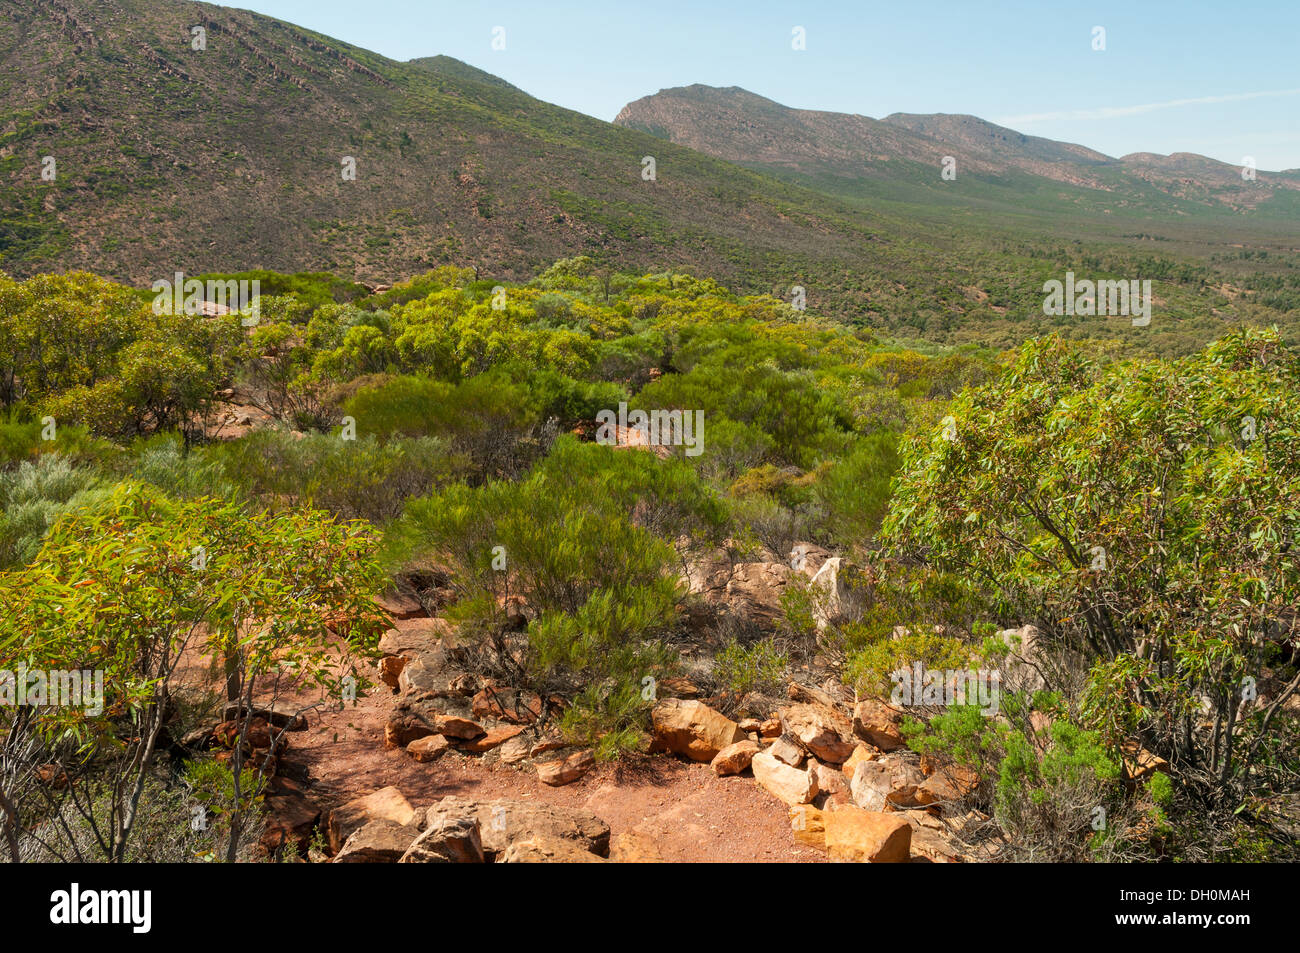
point(877, 724)
point(400, 605)
point(830, 781)
point(860, 753)
point(281, 717)
point(257, 733)
point(823, 731)
point(734, 758)
point(515, 750)
point(450, 836)
point(490, 739)
point(950, 783)
point(290, 821)
point(403, 728)
point(428, 748)
point(377, 842)
point(693, 729)
point(870, 785)
point(889, 781)
point(390, 670)
point(567, 769)
point(859, 836)
point(787, 750)
point(386, 804)
point(830, 602)
point(426, 673)
point(791, 785)
point(504, 821)
point(808, 827)
point(541, 849)
point(453, 726)
point(1019, 669)
point(755, 590)
point(547, 743)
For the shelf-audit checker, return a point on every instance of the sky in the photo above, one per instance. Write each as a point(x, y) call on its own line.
point(1221, 79)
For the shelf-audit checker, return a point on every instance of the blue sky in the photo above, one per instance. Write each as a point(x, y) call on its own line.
point(1221, 79)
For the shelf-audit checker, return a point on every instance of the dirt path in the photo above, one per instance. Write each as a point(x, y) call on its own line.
point(690, 813)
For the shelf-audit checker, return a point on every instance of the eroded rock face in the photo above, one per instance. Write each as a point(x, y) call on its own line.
point(755, 590)
point(751, 589)
point(693, 729)
point(859, 836)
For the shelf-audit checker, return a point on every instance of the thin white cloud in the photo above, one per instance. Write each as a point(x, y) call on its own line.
point(1112, 112)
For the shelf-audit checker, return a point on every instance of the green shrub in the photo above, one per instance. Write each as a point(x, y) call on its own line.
point(759, 667)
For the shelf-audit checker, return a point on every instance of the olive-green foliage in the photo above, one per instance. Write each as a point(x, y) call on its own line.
point(89, 352)
point(32, 497)
point(759, 666)
point(365, 478)
point(1055, 793)
point(1141, 511)
point(585, 539)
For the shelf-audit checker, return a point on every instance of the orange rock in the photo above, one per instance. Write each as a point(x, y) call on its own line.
point(453, 726)
point(693, 729)
point(566, 770)
point(859, 836)
point(734, 758)
point(428, 748)
point(860, 753)
point(877, 723)
point(390, 669)
point(493, 737)
point(808, 827)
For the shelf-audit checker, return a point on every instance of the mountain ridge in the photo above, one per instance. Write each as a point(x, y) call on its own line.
point(732, 123)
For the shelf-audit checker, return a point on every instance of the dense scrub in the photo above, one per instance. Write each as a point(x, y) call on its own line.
point(446, 425)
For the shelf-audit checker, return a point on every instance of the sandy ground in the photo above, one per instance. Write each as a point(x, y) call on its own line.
point(690, 813)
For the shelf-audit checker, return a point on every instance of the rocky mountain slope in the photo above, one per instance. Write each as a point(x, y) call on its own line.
point(233, 155)
point(848, 153)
